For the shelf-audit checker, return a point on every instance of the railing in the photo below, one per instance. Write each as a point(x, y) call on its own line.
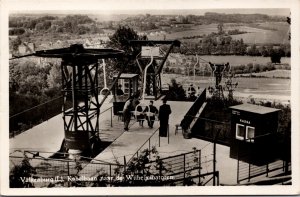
point(188, 169)
point(65, 172)
point(191, 168)
point(26, 119)
point(207, 129)
point(189, 116)
point(248, 169)
point(148, 144)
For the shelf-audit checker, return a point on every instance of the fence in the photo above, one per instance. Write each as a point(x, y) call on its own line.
point(24, 120)
point(152, 141)
point(66, 172)
point(207, 129)
point(189, 116)
point(183, 169)
point(252, 164)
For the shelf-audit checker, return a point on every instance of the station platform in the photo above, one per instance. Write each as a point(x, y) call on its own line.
point(46, 138)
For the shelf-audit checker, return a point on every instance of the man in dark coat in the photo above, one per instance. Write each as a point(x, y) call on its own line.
point(163, 116)
point(127, 112)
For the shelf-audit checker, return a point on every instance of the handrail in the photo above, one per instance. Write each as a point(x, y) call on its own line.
point(29, 109)
point(143, 145)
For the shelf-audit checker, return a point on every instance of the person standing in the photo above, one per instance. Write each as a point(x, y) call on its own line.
point(120, 91)
point(127, 112)
point(163, 116)
point(151, 117)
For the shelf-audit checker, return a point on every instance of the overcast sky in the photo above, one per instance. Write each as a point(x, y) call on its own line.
point(198, 7)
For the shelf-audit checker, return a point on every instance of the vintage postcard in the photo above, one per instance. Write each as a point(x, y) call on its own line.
point(139, 97)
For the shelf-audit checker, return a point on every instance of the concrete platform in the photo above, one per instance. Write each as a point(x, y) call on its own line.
point(47, 137)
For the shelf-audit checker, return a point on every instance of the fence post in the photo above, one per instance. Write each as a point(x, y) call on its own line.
point(168, 134)
point(249, 172)
point(183, 166)
point(149, 144)
point(124, 168)
point(158, 139)
point(214, 164)
point(111, 115)
point(199, 167)
point(110, 178)
point(218, 178)
point(68, 169)
point(267, 169)
point(238, 163)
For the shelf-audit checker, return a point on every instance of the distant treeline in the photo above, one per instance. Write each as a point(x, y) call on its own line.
point(240, 69)
point(224, 44)
point(75, 24)
point(241, 18)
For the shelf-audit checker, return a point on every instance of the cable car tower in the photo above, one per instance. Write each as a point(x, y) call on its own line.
point(218, 71)
point(151, 73)
point(80, 84)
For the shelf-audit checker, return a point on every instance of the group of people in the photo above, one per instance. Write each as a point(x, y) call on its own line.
point(163, 114)
point(192, 92)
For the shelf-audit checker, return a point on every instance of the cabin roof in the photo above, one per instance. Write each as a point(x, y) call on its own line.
point(126, 76)
point(254, 108)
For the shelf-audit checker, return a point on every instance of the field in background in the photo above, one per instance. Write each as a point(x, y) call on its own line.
point(235, 60)
point(266, 88)
point(259, 33)
point(271, 74)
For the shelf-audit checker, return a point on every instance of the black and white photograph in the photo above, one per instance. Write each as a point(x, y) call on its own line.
point(149, 97)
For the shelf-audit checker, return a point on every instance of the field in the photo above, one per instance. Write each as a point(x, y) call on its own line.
point(262, 88)
point(272, 74)
point(235, 60)
point(275, 33)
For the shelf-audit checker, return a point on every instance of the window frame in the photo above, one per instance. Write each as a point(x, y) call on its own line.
point(238, 137)
point(247, 132)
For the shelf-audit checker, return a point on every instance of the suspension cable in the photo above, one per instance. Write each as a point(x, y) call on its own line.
point(35, 107)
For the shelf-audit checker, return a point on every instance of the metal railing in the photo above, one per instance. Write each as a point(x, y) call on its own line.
point(26, 119)
point(247, 170)
point(66, 171)
point(147, 144)
point(189, 116)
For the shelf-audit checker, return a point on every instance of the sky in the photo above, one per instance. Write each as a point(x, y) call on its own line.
point(197, 7)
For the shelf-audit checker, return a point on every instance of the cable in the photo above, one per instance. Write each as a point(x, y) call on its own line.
point(35, 107)
point(195, 53)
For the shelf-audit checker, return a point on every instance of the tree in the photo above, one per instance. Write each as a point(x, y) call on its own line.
point(276, 56)
point(176, 92)
point(19, 172)
point(15, 43)
point(54, 76)
point(220, 28)
point(120, 40)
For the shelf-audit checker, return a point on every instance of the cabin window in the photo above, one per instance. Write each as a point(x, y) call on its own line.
point(240, 132)
point(250, 133)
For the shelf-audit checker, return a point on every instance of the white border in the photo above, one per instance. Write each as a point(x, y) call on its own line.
point(30, 5)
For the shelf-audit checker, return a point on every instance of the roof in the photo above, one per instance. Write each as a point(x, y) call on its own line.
point(254, 108)
point(126, 76)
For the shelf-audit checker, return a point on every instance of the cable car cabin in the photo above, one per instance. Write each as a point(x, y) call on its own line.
point(126, 86)
point(253, 130)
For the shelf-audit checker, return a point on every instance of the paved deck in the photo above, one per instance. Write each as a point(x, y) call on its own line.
point(47, 137)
